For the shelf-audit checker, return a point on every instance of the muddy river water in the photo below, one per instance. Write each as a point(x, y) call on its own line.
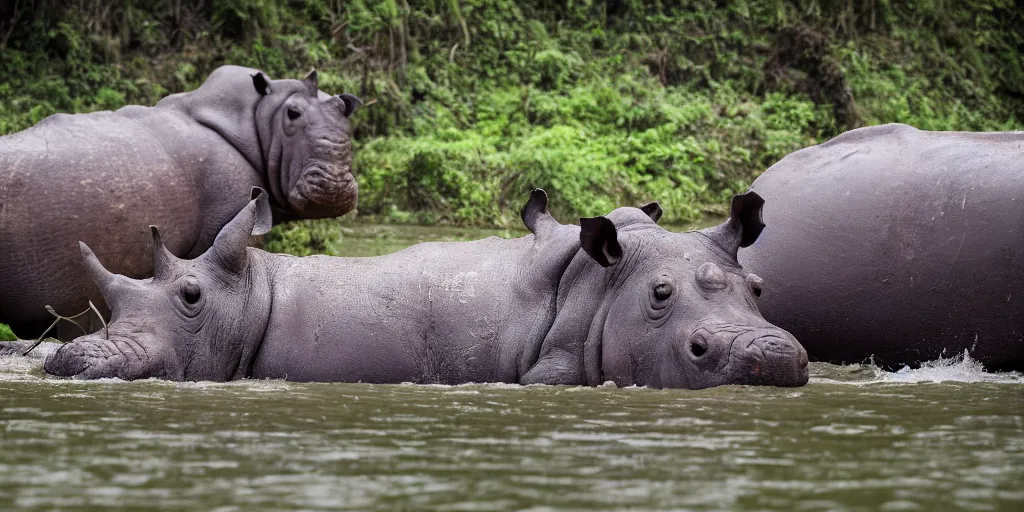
point(948, 435)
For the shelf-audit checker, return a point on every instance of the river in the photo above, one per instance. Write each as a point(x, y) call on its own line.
point(948, 435)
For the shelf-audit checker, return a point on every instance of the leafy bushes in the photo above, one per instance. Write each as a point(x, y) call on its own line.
point(603, 102)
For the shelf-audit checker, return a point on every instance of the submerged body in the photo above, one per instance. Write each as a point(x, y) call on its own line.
point(618, 298)
point(188, 164)
point(897, 243)
point(436, 312)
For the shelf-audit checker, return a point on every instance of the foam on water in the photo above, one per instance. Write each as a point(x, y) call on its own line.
point(959, 368)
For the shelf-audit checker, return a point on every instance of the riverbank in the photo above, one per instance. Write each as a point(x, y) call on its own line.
point(470, 104)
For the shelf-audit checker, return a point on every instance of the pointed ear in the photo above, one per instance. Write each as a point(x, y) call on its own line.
point(743, 226)
point(262, 83)
point(352, 103)
point(535, 213)
point(229, 248)
point(653, 210)
point(600, 240)
point(312, 84)
point(747, 208)
point(163, 261)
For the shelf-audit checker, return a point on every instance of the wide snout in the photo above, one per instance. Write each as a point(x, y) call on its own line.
point(325, 186)
point(717, 353)
point(96, 356)
point(772, 357)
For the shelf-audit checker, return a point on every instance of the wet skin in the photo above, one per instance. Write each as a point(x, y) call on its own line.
point(617, 298)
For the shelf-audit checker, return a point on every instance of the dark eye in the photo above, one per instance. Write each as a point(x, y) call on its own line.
point(293, 114)
point(756, 284)
point(190, 292)
point(662, 291)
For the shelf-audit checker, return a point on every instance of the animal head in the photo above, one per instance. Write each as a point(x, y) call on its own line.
point(193, 320)
point(680, 310)
point(306, 140)
point(650, 307)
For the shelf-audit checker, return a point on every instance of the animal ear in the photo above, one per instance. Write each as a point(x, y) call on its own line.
point(535, 213)
point(312, 84)
point(352, 103)
point(163, 261)
point(743, 226)
point(262, 83)
point(653, 210)
point(229, 248)
point(600, 240)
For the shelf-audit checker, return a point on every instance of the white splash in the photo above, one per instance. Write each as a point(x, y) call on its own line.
point(959, 368)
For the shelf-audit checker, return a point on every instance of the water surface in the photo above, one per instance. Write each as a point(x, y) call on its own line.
point(948, 435)
point(855, 438)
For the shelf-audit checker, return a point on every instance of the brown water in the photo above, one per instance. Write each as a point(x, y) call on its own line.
point(854, 439)
point(947, 436)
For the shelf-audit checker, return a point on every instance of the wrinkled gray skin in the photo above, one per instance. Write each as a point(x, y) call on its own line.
point(897, 243)
point(617, 299)
point(188, 165)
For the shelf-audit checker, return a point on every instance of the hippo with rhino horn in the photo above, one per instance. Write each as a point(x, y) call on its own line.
point(186, 164)
point(617, 298)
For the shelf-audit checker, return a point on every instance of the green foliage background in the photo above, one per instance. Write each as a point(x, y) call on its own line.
point(473, 102)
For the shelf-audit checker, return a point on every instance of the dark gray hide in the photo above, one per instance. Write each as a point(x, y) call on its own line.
point(186, 164)
point(898, 243)
point(637, 305)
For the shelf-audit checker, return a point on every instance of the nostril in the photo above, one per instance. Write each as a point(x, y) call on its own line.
point(697, 349)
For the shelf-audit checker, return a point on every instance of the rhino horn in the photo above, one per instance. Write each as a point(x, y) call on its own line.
point(312, 83)
point(164, 261)
point(535, 213)
point(107, 282)
point(229, 248)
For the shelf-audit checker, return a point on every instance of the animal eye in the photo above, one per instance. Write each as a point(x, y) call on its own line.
point(293, 114)
point(756, 284)
point(190, 292)
point(662, 291)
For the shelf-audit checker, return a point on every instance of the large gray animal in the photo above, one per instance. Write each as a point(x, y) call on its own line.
point(187, 164)
point(897, 243)
point(617, 298)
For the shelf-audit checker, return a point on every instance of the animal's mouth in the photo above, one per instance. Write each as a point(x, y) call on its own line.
point(738, 354)
point(326, 186)
point(771, 359)
point(95, 357)
point(321, 193)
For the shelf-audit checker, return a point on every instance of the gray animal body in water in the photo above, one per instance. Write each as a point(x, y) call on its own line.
point(617, 298)
point(897, 243)
point(186, 164)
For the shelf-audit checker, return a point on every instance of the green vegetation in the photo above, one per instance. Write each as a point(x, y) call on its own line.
point(6, 334)
point(473, 102)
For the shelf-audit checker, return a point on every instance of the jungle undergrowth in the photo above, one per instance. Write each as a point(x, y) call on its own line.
point(472, 103)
